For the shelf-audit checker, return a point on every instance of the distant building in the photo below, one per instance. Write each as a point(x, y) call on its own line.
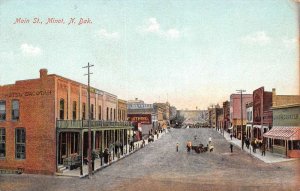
point(194, 116)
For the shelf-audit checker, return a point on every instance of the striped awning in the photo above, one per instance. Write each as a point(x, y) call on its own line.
point(284, 133)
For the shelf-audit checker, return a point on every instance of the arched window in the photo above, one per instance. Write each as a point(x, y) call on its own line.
point(61, 108)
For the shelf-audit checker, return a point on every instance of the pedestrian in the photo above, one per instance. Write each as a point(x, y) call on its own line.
point(143, 143)
point(243, 142)
point(231, 136)
point(231, 147)
point(106, 155)
point(177, 145)
point(263, 150)
point(209, 140)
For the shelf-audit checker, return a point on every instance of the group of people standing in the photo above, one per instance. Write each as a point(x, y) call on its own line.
point(255, 143)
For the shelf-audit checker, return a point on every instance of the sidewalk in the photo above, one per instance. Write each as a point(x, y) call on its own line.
point(76, 172)
point(268, 158)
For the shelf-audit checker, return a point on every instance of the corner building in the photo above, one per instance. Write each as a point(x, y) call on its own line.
point(43, 122)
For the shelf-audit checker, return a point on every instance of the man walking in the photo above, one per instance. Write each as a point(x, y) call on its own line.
point(177, 145)
point(263, 150)
point(231, 147)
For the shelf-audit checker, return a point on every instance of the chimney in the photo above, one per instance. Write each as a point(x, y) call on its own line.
point(43, 73)
point(274, 97)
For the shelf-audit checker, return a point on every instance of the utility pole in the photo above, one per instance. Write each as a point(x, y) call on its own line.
point(241, 92)
point(89, 121)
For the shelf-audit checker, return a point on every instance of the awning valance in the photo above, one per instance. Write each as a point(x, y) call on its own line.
point(284, 133)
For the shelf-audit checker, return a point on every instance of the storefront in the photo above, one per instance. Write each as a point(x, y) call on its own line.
point(284, 137)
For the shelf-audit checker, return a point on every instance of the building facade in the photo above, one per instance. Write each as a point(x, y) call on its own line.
point(284, 137)
point(237, 115)
point(262, 113)
point(44, 122)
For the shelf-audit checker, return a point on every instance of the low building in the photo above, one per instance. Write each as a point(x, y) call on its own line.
point(43, 123)
point(284, 137)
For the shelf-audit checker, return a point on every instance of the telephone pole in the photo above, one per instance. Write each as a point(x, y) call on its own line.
point(89, 121)
point(241, 92)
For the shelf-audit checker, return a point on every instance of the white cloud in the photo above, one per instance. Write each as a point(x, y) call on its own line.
point(153, 26)
point(289, 43)
point(103, 33)
point(259, 38)
point(30, 50)
point(173, 33)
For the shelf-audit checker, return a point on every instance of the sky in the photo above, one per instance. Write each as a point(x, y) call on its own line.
point(190, 53)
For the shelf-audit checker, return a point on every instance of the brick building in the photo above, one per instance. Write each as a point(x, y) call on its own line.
point(43, 122)
point(235, 113)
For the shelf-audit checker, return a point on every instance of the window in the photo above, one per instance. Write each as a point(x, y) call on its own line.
point(20, 143)
point(2, 110)
point(2, 142)
point(111, 114)
point(92, 111)
point(114, 114)
point(74, 110)
point(15, 110)
point(83, 111)
point(61, 108)
point(107, 110)
point(100, 109)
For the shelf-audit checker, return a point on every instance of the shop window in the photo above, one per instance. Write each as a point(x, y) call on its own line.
point(296, 145)
point(100, 109)
point(83, 111)
point(92, 111)
point(20, 143)
point(2, 110)
point(15, 114)
point(74, 110)
point(61, 109)
point(2, 143)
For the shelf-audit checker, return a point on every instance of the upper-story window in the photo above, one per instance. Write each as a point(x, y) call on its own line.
point(2, 110)
point(107, 111)
point(2, 142)
point(83, 111)
point(15, 112)
point(92, 111)
point(114, 114)
point(61, 109)
point(111, 114)
point(74, 110)
point(100, 116)
point(20, 143)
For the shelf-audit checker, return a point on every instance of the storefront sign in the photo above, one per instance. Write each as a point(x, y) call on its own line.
point(27, 94)
point(286, 116)
point(140, 118)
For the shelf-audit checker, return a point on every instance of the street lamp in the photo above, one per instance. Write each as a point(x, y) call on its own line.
point(241, 92)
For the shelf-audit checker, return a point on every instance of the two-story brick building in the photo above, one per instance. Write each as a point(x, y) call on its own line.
point(43, 121)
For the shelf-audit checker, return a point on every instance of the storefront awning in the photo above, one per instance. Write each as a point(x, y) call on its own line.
point(284, 133)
